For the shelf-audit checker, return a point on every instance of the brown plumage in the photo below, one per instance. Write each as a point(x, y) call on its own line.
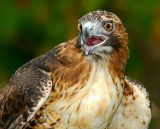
point(79, 84)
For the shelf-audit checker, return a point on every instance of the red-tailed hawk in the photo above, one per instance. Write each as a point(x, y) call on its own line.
point(79, 84)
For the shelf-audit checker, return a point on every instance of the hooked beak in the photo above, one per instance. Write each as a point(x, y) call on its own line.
point(90, 38)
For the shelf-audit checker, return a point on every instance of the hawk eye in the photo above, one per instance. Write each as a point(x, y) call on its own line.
point(108, 25)
point(79, 27)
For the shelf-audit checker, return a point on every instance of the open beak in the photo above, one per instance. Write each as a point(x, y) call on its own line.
point(91, 38)
point(94, 40)
point(91, 43)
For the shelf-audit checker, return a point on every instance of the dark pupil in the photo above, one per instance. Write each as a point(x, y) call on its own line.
point(108, 26)
point(80, 26)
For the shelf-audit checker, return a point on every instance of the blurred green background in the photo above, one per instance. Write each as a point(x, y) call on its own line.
point(29, 28)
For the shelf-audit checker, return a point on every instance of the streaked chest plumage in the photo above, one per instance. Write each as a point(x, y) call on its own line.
point(91, 107)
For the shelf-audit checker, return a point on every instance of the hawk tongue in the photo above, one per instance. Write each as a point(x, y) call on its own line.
point(91, 41)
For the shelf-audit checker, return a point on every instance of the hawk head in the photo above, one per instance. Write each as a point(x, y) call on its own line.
point(101, 33)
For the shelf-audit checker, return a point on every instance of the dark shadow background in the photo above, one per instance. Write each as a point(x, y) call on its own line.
point(29, 28)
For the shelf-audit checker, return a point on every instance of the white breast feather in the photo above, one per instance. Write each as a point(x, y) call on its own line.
point(98, 101)
point(136, 114)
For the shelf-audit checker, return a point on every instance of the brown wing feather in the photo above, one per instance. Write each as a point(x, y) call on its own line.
point(26, 88)
point(69, 71)
point(25, 94)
